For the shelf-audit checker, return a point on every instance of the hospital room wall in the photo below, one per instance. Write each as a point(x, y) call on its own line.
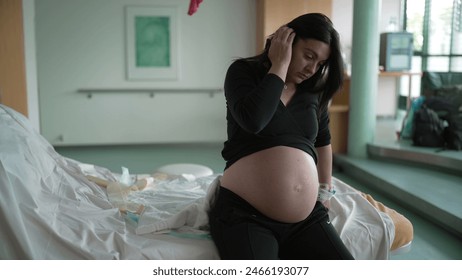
point(81, 44)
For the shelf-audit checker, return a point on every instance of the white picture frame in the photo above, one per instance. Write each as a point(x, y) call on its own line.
point(152, 42)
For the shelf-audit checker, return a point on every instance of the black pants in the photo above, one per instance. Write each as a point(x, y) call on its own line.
point(241, 232)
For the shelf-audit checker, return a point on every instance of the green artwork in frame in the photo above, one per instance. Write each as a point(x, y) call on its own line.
point(152, 43)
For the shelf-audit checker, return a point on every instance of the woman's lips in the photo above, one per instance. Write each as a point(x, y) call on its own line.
point(303, 76)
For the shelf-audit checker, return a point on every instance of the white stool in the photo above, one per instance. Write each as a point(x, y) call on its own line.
point(196, 170)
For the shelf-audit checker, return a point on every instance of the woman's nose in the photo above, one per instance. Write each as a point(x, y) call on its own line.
point(311, 68)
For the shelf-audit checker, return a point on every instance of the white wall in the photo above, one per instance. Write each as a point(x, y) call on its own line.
point(81, 44)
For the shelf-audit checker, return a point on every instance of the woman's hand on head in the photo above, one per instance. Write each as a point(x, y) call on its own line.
point(280, 51)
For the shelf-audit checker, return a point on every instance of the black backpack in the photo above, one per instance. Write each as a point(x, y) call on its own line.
point(448, 107)
point(428, 128)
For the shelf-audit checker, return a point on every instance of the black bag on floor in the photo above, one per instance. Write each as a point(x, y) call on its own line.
point(449, 108)
point(428, 128)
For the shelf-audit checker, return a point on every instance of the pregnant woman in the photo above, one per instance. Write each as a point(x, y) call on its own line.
point(271, 203)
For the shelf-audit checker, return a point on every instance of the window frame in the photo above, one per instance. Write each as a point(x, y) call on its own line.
point(456, 26)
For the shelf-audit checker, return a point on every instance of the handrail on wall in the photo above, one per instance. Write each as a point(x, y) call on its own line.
point(150, 91)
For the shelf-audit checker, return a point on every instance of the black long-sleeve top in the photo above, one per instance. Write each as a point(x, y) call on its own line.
point(257, 119)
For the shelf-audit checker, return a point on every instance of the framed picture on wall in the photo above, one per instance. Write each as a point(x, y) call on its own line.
point(152, 42)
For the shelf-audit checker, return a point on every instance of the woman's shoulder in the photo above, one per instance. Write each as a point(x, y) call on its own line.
point(247, 66)
point(243, 63)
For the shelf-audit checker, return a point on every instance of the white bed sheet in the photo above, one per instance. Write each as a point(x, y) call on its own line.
point(50, 210)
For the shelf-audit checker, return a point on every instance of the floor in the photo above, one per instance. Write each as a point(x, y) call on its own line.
point(431, 242)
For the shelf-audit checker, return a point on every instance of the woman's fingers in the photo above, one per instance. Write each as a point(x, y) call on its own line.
point(280, 51)
point(284, 33)
point(281, 45)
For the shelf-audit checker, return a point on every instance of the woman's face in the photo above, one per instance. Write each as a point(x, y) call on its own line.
point(308, 55)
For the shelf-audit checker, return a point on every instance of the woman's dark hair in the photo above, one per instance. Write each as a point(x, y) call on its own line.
point(329, 78)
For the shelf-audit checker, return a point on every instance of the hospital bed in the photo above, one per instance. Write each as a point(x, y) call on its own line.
point(53, 207)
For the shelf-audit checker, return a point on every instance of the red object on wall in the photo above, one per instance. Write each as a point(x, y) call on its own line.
point(193, 6)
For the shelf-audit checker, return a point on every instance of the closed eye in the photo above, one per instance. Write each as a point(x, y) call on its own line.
point(309, 57)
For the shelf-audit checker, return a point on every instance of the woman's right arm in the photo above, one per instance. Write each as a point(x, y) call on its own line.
point(280, 51)
point(253, 102)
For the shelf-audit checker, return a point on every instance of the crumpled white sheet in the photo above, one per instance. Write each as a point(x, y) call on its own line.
point(179, 204)
point(365, 231)
point(50, 210)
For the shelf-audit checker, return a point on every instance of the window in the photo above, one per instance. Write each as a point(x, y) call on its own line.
point(437, 29)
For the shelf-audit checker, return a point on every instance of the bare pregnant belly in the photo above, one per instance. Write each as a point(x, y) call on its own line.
point(281, 182)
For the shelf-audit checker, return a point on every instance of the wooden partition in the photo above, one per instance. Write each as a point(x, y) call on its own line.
point(271, 14)
point(338, 112)
point(12, 62)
